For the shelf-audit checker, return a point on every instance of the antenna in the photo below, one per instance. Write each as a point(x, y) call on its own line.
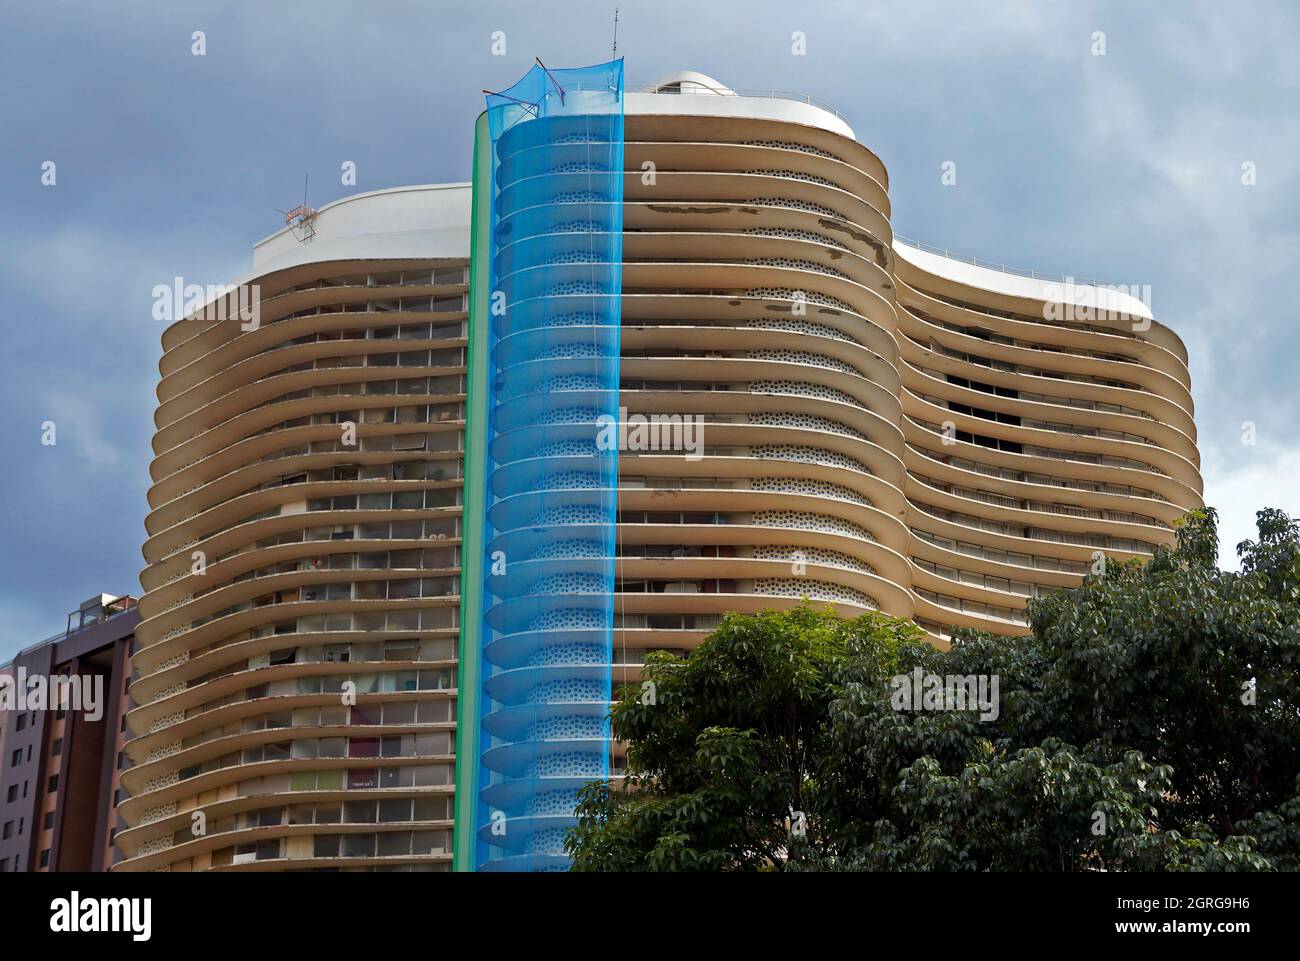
point(614, 56)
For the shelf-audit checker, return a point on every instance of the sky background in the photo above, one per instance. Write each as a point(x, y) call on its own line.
point(1125, 167)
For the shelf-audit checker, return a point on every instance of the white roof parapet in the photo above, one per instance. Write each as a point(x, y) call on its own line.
point(688, 93)
point(425, 220)
point(1115, 300)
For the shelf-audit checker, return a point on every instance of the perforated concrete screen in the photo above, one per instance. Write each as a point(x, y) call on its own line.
point(548, 506)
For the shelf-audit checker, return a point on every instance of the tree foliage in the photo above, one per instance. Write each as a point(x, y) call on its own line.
point(1150, 721)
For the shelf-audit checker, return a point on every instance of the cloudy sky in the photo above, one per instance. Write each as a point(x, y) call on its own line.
point(1126, 166)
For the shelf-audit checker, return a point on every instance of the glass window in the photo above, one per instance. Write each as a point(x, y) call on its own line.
point(325, 846)
point(329, 781)
point(402, 650)
point(428, 842)
point(363, 747)
point(358, 845)
point(270, 817)
point(359, 812)
point(427, 745)
point(366, 683)
point(395, 810)
point(363, 779)
point(406, 621)
point(400, 713)
point(404, 589)
point(394, 843)
point(430, 809)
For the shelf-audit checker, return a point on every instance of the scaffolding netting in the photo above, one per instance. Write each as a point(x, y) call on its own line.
point(555, 283)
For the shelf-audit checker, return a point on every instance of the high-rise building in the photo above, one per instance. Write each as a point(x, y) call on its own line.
point(62, 703)
point(852, 418)
point(296, 673)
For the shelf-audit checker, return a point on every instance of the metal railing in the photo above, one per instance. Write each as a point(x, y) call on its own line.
point(62, 635)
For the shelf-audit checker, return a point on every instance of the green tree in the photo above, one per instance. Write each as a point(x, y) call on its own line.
point(727, 747)
point(1150, 721)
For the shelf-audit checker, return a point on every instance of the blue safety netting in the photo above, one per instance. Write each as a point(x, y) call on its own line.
point(551, 477)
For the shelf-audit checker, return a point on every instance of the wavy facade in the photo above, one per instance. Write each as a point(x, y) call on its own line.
point(883, 428)
point(1033, 447)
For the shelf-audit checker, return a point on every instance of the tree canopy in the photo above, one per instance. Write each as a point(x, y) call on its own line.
point(1149, 721)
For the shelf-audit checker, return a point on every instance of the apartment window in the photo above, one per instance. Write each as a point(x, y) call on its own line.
point(393, 843)
point(431, 809)
point(45, 858)
point(4, 865)
point(21, 722)
point(363, 779)
point(325, 846)
point(267, 850)
point(405, 650)
point(49, 821)
point(359, 812)
point(57, 747)
point(363, 747)
point(16, 758)
point(13, 793)
point(269, 817)
point(53, 784)
point(358, 845)
point(8, 830)
point(393, 811)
